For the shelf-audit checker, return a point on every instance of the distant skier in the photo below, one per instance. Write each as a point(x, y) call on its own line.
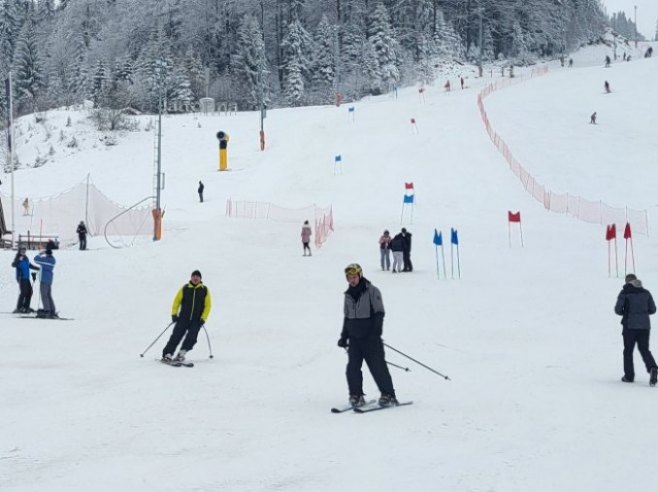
point(446, 86)
point(82, 235)
point(362, 337)
point(46, 261)
point(607, 61)
point(606, 87)
point(635, 304)
point(461, 82)
point(26, 206)
point(306, 238)
point(592, 119)
point(649, 52)
point(385, 250)
point(200, 190)
point(570, 62)
point(189, 311)
point(23, 266)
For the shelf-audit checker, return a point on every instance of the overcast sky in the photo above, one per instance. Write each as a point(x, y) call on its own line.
point(647, 13)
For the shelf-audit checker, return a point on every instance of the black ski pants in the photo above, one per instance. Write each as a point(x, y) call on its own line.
point(184, 328)
point(370, 349)
point(406, 259)
point(25, 296)
point(83, 242)
point(641, 337)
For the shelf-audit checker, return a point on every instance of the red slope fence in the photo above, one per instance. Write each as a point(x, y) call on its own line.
point(323, 218)
point(593, 212)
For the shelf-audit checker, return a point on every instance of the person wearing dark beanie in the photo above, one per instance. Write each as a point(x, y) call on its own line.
point(47, 262)
point(635, 304)
point(189, 312)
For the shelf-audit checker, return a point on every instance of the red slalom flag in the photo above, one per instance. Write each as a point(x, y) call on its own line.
point(613, 231)
point(608, 233)
point(514, 217)
point(421, 90)
point(627, 231)
point(409, 186)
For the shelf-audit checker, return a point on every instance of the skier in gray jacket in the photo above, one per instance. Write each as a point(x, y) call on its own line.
point(634, 305)
point(362, 337)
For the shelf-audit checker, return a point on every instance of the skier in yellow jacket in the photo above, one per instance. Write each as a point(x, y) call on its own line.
point(189, 311)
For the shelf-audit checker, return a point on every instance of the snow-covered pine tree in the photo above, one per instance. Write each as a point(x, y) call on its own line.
point(324, 61)
point(100, 84)
point(249, 65)
point(370, 81)
point(180, 98)
point(425, 50)
point(195, 73)
point(125, 69)
point(296, 46)
point(28, 70)
point(9, 30)
point(155, 65)
point(382, 39)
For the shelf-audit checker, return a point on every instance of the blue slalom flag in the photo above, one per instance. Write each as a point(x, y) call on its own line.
point(453, 236)
point(338, 158)
point(438, 240)
point(350, 109)
point(408, 198)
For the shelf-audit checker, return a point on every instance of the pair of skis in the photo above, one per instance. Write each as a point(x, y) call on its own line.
point(176, 363)
point(370, 406)
point(29, 316)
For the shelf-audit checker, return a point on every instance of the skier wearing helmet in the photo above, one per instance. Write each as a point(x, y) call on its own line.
point(361, 336)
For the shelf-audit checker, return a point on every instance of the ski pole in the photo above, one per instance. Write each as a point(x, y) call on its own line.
point(208, 338)
point(405, 369)
point(417, 362)
point(158, 338)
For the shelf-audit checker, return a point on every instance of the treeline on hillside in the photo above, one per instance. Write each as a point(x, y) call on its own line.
point(135, 53)
point(625, 27)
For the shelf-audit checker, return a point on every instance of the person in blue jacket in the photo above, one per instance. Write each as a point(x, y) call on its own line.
point(23, 266)
point(46, 261)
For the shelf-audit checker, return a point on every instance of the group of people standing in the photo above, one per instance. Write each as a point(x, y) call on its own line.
point(45, 262)
point(400, 245)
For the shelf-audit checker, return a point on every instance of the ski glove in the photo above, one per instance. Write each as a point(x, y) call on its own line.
point(174, 318)
point(342, 342)
point(34, 277)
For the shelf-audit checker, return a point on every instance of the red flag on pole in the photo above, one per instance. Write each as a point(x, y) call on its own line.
point(514, 217)
point(627, 231)
point(409, 186)
point(613, 231)
point(608, 233)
